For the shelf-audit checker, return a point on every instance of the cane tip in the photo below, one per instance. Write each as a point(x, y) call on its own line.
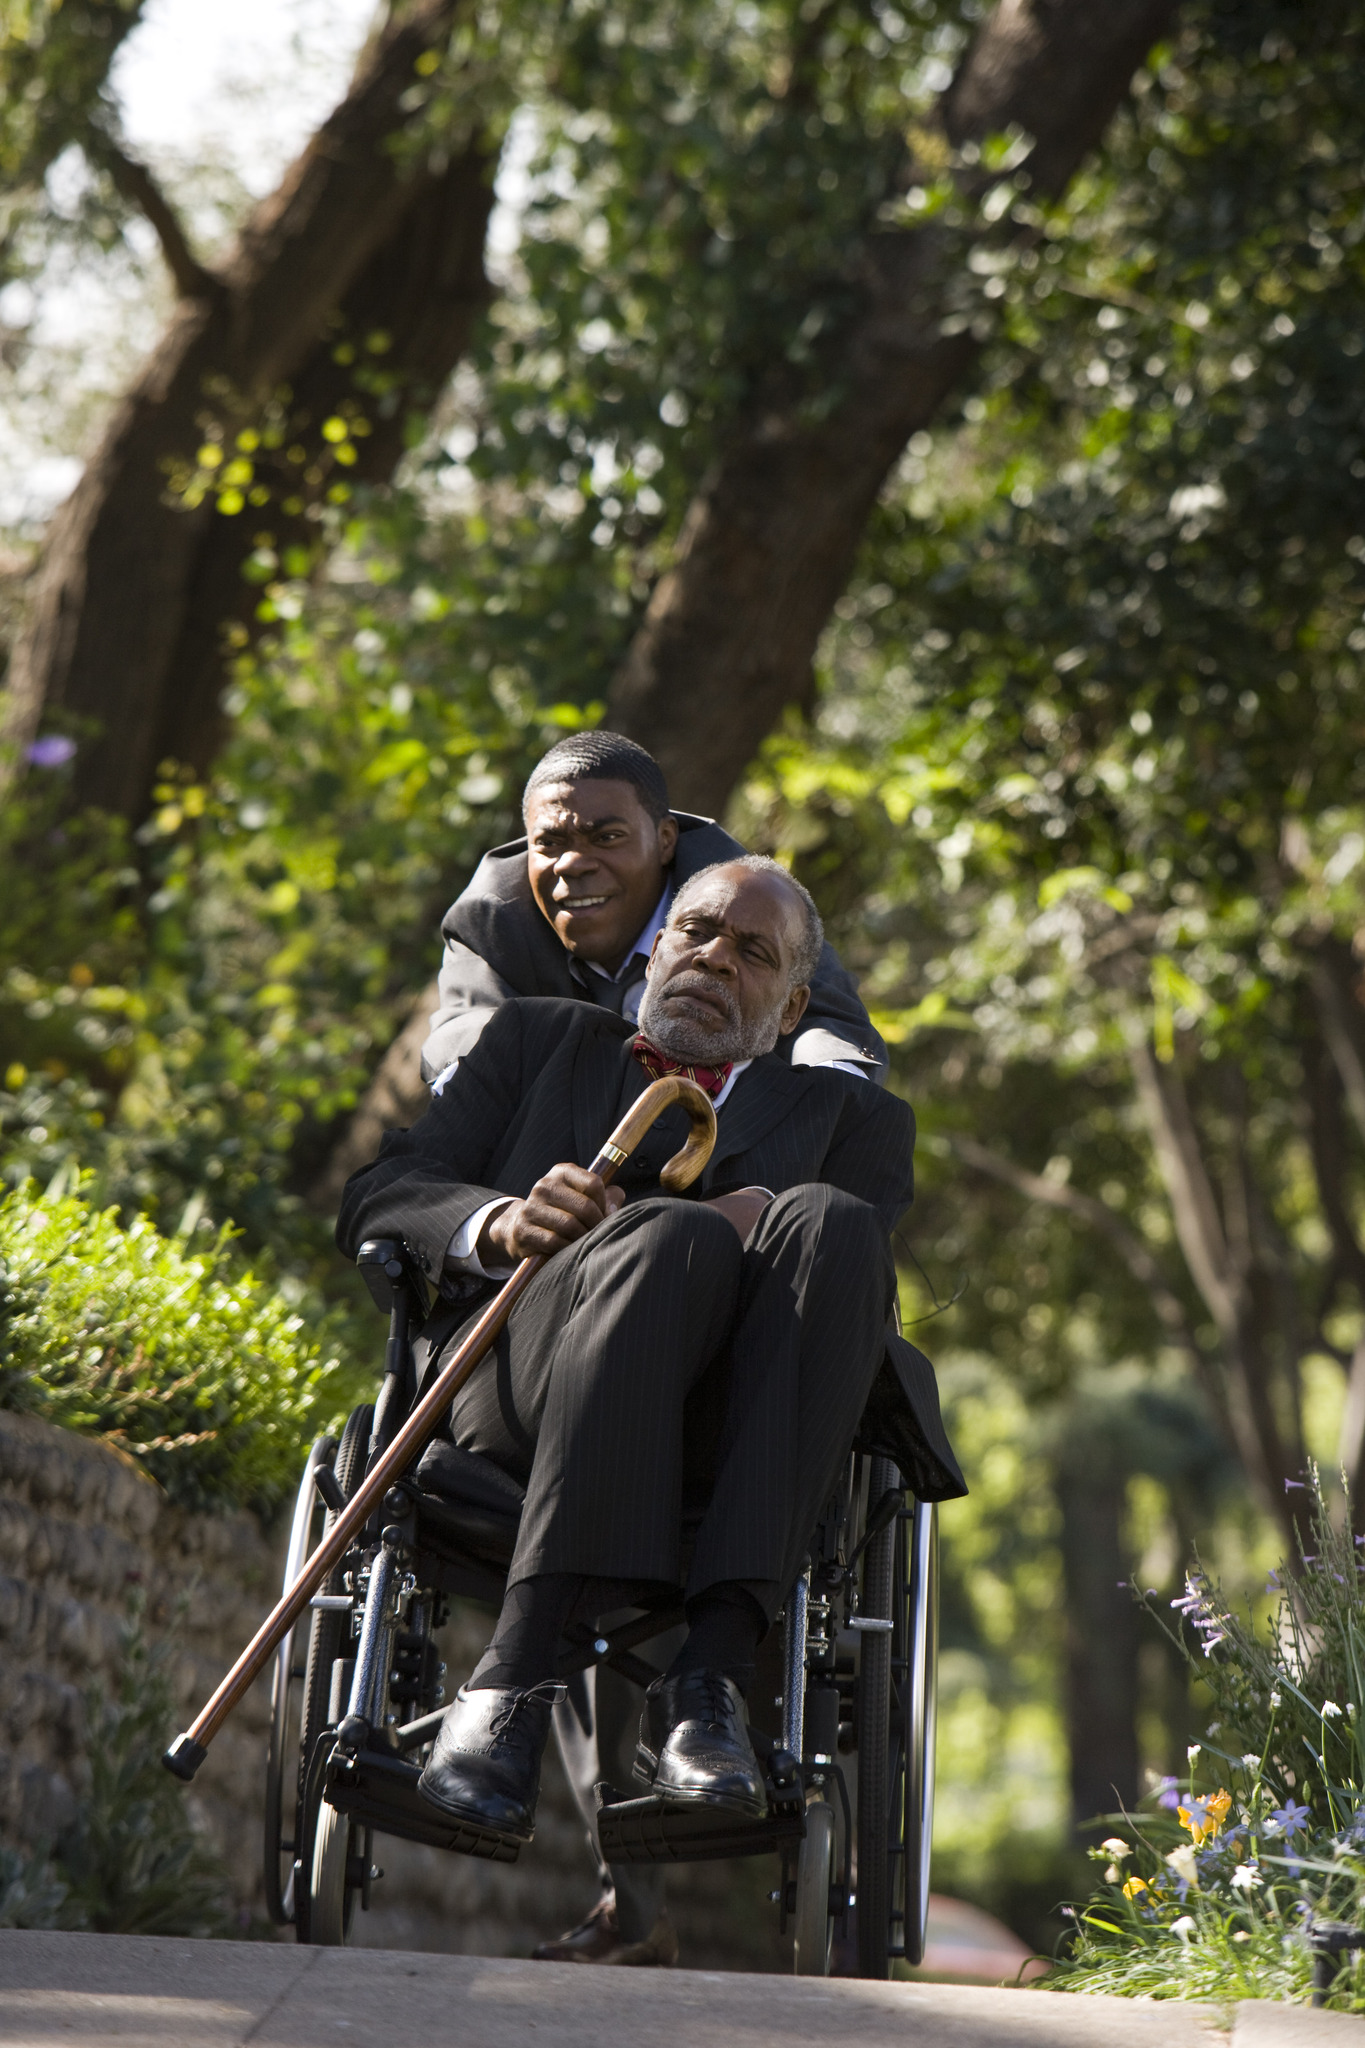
point(184, 1757)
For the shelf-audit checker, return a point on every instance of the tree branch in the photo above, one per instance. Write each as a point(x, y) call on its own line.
point(1197, 1222)
point(1130, 1247)
point(140, 189)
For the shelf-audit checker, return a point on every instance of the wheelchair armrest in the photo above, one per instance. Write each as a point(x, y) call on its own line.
point(386, 1265)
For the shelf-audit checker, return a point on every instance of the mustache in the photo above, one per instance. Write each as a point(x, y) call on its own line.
point(689, 982)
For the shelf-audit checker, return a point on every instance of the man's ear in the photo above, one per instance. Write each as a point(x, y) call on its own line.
point(649, 964)
point(668, 839)
point(793, 1010)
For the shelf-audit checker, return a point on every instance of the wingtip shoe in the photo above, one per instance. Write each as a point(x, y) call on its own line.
point(484, 1768)
point(694, 1744)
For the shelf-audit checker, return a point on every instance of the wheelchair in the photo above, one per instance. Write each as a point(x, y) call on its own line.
point(358, 1693)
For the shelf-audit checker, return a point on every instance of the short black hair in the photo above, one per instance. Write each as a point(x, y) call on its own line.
point(602, 757)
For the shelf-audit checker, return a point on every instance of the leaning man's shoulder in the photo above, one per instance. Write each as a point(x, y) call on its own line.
point(555, 1017)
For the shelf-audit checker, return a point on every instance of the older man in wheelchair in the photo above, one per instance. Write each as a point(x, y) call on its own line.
point(678, 1390)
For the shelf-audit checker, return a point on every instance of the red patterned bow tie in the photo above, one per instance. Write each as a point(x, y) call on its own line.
point(657, 1063)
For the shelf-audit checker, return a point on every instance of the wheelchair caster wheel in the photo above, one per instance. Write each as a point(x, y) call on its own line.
point(814, 1879)
point(332, 1890)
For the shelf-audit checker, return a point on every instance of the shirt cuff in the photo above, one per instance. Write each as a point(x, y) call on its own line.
point(846, 1067)
point(461, 1255)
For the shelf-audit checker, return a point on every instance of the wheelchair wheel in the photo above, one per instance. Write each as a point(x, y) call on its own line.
point(334, 1884)
point(328, 1641)
point(285, 1697)
point(813, 1927)
point(895, 1722)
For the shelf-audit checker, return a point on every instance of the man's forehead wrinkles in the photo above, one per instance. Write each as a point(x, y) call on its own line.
point(718, 914)
point(560, 818)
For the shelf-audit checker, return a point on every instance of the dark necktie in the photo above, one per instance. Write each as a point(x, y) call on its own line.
point(657, 1063)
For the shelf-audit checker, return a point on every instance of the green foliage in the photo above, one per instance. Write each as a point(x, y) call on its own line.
point(168, 1351)
point(1212, 1893)
point(1086, 771)
point(54, 65)
point(131, 1862)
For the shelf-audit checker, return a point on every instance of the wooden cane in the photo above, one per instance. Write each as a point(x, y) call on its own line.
point(188, 1751)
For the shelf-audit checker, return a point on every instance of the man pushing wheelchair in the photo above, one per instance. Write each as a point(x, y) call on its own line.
point(678, 1388)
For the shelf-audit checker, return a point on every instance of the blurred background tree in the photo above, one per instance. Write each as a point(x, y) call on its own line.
point(949, 460)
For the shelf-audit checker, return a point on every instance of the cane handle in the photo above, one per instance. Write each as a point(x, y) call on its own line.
point(684, 1167)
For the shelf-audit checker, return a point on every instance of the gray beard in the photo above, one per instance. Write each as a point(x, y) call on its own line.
point(683, 1038)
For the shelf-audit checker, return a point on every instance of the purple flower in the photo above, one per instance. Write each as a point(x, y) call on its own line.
point(1287, 1819)
point(53, 751)
point(1199, 1610)
point(1168, 1793)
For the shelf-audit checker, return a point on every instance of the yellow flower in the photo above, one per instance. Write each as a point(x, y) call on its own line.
point(1134, 1886)
point(1205, 1818)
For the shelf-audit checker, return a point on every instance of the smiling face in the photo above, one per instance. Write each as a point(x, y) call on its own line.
point(720, 973)
point(596, 860)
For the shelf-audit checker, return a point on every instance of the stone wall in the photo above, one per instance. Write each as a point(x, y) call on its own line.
point(80, 1528)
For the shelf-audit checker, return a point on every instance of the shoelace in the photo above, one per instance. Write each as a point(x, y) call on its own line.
point(715, 1693)
point(547, 1693)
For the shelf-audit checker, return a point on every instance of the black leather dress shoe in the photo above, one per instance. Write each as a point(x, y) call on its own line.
point(694, 1744)
point(485, 1762)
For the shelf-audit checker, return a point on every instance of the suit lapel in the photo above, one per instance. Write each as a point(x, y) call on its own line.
point(597, 1089)
point(763, 1096)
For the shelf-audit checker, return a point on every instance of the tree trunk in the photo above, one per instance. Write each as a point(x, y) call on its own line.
point(730, 633)
point(125, 634)
point(1231, 1266)
point(1102, 1636)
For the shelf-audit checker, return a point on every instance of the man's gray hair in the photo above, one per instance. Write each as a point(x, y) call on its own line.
point(812, 930)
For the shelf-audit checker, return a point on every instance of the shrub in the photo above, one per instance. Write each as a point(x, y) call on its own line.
point(1215, 1891)
point(170, 1351)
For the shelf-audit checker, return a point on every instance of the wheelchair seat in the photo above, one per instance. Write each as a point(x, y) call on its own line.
point(466, 1500)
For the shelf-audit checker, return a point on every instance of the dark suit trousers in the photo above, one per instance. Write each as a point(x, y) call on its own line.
point(658, 1367)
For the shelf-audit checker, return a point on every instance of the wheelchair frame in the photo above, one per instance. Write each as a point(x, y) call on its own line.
point(355, 1706)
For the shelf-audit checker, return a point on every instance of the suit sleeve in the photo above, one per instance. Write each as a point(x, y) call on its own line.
point(468, 993)
point(872, 1153)
point(836, 1026)
point(428, 1180)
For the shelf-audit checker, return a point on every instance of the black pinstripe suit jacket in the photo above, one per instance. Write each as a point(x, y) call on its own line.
point(548, 1080)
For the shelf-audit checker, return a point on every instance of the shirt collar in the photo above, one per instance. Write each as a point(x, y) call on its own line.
point(739, 1067)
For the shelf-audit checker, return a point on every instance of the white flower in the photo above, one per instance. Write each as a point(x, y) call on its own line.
point(1246, 1878)
point(1252, 1761)
point(1274, 1700)
point(1184, 1926)
point(1182, 1862)
point(1241, 1935)
point(1330, 1711)
point(1192, 1752)
point(1214, 1728)
point(1116, 1847)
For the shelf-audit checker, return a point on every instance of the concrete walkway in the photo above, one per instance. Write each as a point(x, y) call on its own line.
point(93, 1989)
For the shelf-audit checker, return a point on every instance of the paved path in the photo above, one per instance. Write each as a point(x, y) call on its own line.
point(91, 1989)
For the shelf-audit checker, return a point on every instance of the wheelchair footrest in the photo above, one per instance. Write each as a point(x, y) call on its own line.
point(380, 1791)
point(656, 1830)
